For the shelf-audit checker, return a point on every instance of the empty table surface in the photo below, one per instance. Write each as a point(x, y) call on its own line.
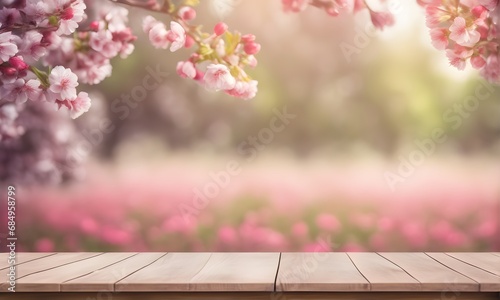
point(254, 272)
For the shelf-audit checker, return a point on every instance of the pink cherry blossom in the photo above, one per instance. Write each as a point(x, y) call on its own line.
point(217, 77)
point(462, 34)
point(186, 69)
point(491, 71)
point(79, 105)
point(458, 57)
point(439, 37)
point(148, 23)
point(102, 42)
point(20, 90)
point(381, 19)
point(158, 36)
point(9, 16)
point(477, 62)
point(243, 89)
point(31, 46)
point(63, 83)
point(7, 47)
point(177, 36)
point(71, 12)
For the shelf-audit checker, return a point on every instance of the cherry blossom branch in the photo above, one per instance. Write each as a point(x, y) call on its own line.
point(227, 53)
point(151, 5)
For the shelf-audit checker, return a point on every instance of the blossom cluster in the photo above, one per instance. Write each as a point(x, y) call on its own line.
point(220, 57)
point(42, 152)
point(468, 30)
point(44, 52)
point(380, 19)
point(47, 48)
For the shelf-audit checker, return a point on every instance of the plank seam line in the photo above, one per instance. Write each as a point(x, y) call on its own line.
point(392, 262)
point(456, 271)
point(469, 264)
point(277, 272)
point(190, 284)
point(114, 284)
point(65, 264)
point(20, 263)
point(369, 283)
point(101, 268)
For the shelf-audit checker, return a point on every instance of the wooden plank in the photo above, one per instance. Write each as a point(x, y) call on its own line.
point(21, 258)
point(250, 296)
point(50, 280)
point(432, 275)
point(382, 274)
point(320, 272)
point(485, 261)
point(104, 279)
point(487, 281)
point(4, 256)
point(172, 272)
point(206, 272)
point(246, 272)
point(45, 263)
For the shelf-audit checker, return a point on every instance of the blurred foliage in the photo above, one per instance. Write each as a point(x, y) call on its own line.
point(389, 94)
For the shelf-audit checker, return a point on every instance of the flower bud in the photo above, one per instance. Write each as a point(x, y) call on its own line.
point(252, 48)
point(220, 28)
point(18, 63)
point(189, 42)
point(187, 13)
point(247, 38)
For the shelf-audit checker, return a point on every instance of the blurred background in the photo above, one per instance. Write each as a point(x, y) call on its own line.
point(356, 141)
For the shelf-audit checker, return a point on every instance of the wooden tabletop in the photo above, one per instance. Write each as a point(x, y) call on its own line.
point(254, 272)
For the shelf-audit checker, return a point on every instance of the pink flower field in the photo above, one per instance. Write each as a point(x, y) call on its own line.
point(267, 207)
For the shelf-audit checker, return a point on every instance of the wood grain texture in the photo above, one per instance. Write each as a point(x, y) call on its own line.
point(332, 272)
point(382, 274)
point(485, 261)
point(250, 296)
point(246, 272)
point(172, 272)
point(104, 279)
point(46, 263)
point(51, 280)
point(21, 258)
point(487, 281)
point(253, 275)
point(206, 272)
point(432, 275)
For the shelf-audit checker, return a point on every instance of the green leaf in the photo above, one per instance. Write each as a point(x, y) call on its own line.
point(205, 50)
point(42, 76)
point(232, 40)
